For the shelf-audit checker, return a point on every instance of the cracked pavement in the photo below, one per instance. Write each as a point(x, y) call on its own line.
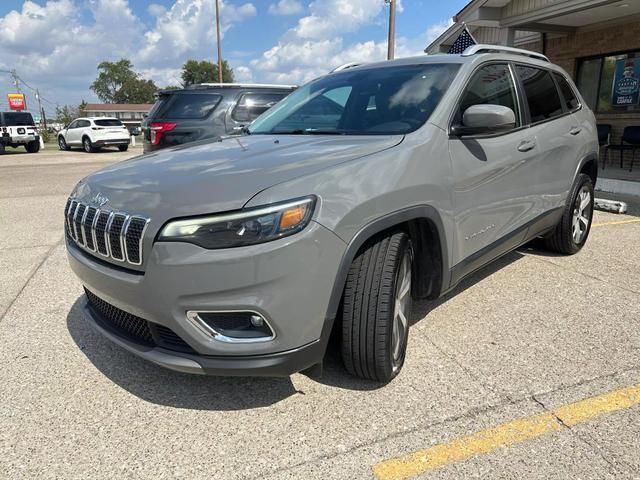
point(527, 334)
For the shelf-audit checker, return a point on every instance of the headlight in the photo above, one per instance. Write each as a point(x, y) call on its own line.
point(246, 227)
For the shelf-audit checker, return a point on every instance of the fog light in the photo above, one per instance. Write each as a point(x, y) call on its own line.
point(257, 321)
point(232, 327)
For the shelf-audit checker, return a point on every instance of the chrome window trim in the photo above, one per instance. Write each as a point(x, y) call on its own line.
point(212, 334)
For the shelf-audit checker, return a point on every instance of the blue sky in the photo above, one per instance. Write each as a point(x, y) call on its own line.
point(55, 45)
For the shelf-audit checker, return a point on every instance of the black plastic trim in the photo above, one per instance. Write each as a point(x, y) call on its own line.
point(504, 245)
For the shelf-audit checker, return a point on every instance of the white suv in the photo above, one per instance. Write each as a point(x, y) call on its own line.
point(93, 133)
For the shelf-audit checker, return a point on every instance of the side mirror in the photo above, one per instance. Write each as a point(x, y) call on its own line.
point(485, 119)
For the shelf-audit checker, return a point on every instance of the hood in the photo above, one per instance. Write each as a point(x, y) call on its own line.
point(219, 176)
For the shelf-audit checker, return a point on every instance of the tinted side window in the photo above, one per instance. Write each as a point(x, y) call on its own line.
point(251, 105)
point(73, 124)
point(540, 90)
point(186, 105)
point(570, 99)
point(491, 84)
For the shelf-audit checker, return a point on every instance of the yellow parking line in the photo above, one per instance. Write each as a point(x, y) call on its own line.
point(506, 434)
point(619, 222)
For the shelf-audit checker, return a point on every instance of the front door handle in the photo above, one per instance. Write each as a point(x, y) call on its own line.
point(575, 130)
point(527, 145)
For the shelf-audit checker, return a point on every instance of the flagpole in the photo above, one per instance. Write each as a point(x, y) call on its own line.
point(218, 41)
point(391, 41)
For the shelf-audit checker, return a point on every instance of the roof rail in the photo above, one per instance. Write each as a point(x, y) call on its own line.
point(483, 48)
point(242, 85)
point(346, 66)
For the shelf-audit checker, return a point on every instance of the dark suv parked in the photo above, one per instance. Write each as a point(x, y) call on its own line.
point(209, 110)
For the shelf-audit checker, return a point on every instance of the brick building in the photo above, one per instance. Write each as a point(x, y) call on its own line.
point(596, 41)
point(131, 114)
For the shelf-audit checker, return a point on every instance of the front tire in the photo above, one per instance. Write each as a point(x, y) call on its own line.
point(123, 148)
point(572, 232)
point(87, 145)
point(33, 147)
point(376, 307)
point(62, 144)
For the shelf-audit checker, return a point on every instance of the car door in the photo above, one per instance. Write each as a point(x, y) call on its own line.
point(493, 195)
point(71, 133)
point(556, 132)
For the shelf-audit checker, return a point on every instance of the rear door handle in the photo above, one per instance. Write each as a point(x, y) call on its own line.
point(527, 145)
point(575, 130)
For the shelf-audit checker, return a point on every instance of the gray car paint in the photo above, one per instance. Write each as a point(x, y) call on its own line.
point(479, 184)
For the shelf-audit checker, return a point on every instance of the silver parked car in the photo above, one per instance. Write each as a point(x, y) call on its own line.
point(358, 192)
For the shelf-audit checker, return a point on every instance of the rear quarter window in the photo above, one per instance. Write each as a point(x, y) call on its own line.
point(570, 99)
point(251, 105)
point(186, 105)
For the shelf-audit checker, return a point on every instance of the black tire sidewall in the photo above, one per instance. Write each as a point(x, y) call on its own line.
point(62, 144)
point(87, 146)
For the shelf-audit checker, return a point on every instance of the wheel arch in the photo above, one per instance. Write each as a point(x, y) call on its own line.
point(424, 226)
point(589, 166)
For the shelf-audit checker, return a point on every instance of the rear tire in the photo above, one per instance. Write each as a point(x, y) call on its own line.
point(33, 147)
point(123, 148)
point(572, 232)
point(376, 307)
point(87, 145)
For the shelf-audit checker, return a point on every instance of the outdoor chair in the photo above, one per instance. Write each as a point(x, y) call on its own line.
point(604, 140)
point(630, 141)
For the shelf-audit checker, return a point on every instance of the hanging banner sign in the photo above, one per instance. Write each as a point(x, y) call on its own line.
point(16, 101)
point(626, 84)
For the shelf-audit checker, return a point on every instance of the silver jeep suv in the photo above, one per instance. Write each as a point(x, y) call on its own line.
point(360, 191)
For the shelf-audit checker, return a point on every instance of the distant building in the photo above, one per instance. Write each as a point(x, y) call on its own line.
point(131, 114)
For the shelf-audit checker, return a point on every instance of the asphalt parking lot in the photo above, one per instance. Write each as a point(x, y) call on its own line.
point(531, 369)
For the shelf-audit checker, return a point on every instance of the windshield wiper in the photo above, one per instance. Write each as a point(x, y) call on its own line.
point(310, 131)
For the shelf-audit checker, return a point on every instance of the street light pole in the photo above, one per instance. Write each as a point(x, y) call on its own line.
point(218, 41)
point(391, 42)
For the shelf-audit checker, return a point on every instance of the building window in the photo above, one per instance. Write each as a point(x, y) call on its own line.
point(611, 83)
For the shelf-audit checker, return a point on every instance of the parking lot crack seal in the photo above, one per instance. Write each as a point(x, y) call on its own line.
point(30, 277)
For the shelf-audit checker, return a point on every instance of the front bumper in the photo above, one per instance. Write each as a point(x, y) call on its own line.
point(279, 364)
point(288, 281)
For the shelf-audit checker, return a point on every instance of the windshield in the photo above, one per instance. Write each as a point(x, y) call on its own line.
point(381, 101)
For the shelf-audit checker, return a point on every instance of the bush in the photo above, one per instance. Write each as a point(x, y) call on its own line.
point(46, 136)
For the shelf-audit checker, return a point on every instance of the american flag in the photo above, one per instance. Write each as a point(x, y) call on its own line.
point(463, 41)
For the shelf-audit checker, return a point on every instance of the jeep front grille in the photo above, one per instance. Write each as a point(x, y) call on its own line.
point(114, 235)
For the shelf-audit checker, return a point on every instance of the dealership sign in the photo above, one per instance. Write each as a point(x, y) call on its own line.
point(16, 101)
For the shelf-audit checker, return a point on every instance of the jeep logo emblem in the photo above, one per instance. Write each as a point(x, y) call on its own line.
point(99, 200)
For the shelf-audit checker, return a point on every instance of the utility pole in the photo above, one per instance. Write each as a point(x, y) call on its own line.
point(218, 41)
point(16, 80)
point(391, 42)
point(43, 118)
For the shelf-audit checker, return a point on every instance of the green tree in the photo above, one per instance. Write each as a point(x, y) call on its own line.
point(194, 71)
point(67, 113)
point(117, 82)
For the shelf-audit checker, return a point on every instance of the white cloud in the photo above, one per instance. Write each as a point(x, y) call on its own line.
point(329, 17)
point(156, 10)
point(286, 7)
point(435, 30)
